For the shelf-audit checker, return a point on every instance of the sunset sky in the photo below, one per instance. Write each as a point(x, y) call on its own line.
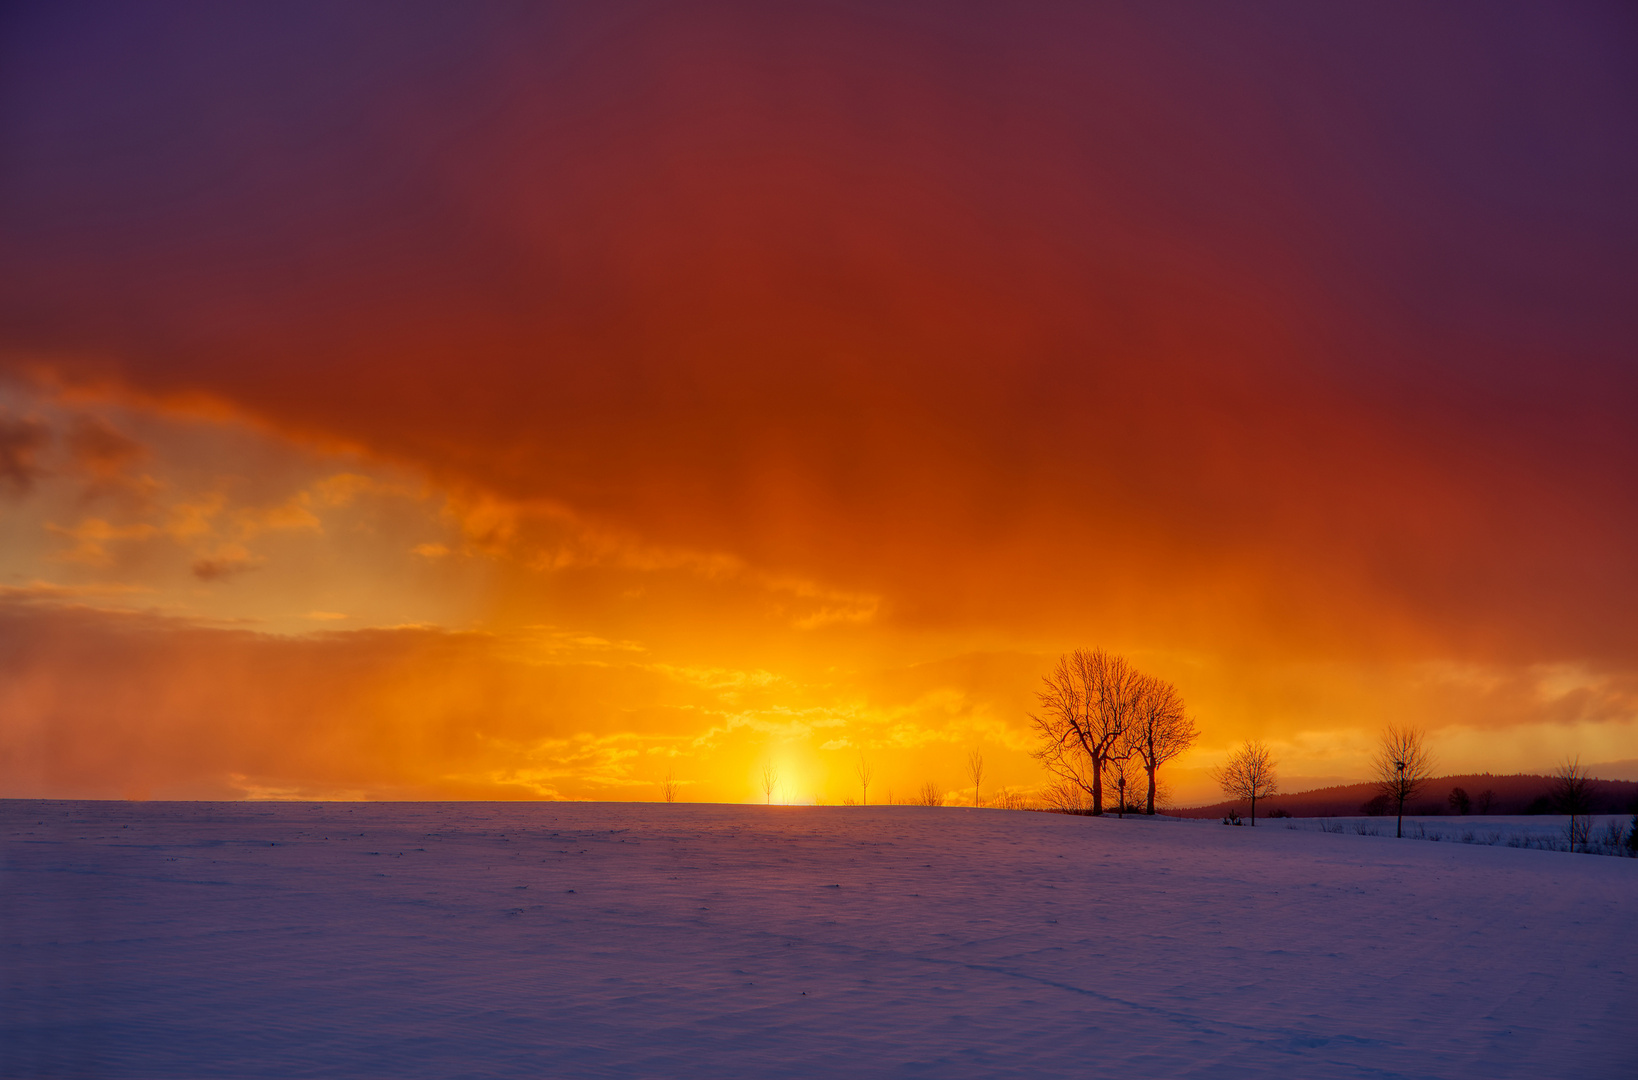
point(522, 400)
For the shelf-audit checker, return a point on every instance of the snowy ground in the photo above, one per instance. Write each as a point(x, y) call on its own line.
point(1606, 833)
point(621, 940)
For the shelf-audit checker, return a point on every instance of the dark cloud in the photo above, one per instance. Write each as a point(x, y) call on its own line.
point(220, 568)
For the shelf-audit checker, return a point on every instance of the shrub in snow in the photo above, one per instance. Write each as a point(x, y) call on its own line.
point(1611, 841)
point(1011, 800)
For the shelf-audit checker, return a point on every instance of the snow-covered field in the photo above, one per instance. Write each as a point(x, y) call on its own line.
point(652, 940)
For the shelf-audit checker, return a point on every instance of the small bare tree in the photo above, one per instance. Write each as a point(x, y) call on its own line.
point(1249, 774)
point(770, 781)
point(1403, 767)
point(668, 786)
point(864, 771)
point(1160, 731)
point(930, 795)
point(1119, 767)
point(1085, 709)
point(1572, 794)
point(975, 769)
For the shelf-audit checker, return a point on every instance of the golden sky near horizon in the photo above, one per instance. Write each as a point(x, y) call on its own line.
point(520, 404)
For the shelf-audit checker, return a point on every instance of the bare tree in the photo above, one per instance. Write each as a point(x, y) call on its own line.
point(930, 795)
point(864, 771)
point(1119, 766)
point(1572, 793)
point(975, 769)
point(1403, 767)
point(1086, 706)
point(770, 780)
point(1160, 731)
point(1249, 774)
point(668, 787)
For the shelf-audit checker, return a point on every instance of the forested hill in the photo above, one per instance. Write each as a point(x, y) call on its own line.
point(1521, 793)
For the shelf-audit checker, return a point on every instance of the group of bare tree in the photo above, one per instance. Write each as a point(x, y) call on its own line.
point(930, 793)
point(1402, 768)
point(1101, 717)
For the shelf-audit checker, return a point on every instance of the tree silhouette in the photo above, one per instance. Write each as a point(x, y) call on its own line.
point(1249, 774)
point(1403, 767)
point(864, 770)
point(770, 780)
point(975, 769)
point(1086, 707)
point(1572, 794)
point(1119, 766)
point(1160, 730)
